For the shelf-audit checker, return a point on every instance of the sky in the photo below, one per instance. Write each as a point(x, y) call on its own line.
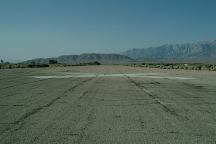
point(48, 28)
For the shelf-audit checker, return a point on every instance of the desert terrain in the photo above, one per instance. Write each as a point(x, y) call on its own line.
point(107, 104)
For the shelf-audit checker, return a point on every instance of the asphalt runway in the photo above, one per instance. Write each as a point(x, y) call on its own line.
point(107, 105)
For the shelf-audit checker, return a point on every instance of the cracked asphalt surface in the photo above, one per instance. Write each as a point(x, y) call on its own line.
point(104, 110)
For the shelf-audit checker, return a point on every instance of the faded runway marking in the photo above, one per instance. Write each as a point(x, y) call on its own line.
point(138, 75)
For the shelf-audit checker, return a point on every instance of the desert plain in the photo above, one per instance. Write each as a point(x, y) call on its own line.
point(107, 104)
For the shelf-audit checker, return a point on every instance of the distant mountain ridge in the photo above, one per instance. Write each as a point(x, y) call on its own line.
point(191, 52)
point(200, 52)
point(85, 58)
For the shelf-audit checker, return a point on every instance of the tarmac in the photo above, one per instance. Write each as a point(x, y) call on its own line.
point(107, 105)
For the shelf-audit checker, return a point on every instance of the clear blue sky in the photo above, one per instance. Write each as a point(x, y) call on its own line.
point(46, 28)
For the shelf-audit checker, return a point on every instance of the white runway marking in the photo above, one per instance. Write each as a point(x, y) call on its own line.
point(137, 75)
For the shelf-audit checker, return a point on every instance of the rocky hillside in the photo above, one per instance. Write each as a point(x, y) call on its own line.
point(85, 58)
point(200, 52)
point(191, 52)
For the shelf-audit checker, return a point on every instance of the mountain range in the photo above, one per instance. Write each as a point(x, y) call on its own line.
point(86, 58)
point(204, 52)
point(200, 52)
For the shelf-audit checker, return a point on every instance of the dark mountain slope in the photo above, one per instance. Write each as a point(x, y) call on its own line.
point(85, 58)
point(201, 51)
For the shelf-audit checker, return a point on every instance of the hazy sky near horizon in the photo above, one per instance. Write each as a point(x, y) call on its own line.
point(48, 28)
